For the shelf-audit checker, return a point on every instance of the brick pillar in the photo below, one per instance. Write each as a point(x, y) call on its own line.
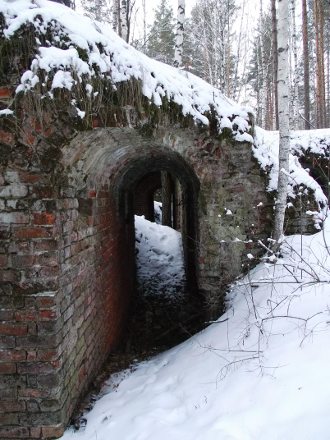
point(30, 322)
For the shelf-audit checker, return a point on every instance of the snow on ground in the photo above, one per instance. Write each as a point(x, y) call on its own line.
point(159, 259)
point(261, 372)
point(117, 62)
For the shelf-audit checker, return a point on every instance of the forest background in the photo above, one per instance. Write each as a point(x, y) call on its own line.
point(232, 44)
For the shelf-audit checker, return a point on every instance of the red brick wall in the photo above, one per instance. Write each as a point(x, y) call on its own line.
point(30, 320)
point(96, 287)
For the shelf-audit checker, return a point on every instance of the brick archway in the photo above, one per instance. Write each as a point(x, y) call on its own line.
point(102, 170)
point(67, 227)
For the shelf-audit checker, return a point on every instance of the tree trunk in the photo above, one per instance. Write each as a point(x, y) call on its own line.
point(275, 60)
point(306, 66)
point(263, 92)
point(179, 33)
point(144, 24)
point(115, 15)
point(283, 117)
point(294, 97)
point(123, 22)
point(320, 79)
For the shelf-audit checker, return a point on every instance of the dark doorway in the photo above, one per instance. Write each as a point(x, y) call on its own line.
point(161, 318)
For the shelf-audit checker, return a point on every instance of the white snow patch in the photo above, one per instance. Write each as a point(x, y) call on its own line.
point(260, 372)
point(6, 112)
point(160, 264)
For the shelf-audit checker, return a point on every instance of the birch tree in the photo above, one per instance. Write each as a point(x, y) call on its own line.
point(283, 116)
point(179, 33)
point(124, 25)
point(212, 29)
point(294, 67)
point(115, 15)
point(275, 59)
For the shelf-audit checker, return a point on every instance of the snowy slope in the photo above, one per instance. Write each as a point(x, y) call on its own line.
point(260, 373)
point(265, 149)
point(116, 61)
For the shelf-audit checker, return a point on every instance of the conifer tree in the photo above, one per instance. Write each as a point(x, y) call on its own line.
point(161, 38)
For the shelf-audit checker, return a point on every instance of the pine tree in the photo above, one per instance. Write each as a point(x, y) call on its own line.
point(161, 38)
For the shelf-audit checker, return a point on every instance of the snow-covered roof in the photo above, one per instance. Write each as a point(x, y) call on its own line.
point(110, 57)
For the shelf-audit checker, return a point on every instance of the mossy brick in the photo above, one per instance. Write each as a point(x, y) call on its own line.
point(32, 232)
point(13, 329)
point(14, 432)
point(7, 368)
point(7, 342)
point(6, 315)
point(12, 355)
point(12, 406)
point(51, 432)
point(35, 433)
point(41, 419)
point(9, 418)
point(32, 406)
point(44, 218)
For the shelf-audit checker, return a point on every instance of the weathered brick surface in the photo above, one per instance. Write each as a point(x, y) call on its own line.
point(67, 259)
point(67, 239)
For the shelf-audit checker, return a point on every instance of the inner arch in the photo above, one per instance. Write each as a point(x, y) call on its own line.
point(145, 169)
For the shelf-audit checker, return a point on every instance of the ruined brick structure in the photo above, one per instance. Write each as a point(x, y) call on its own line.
point(68, 193)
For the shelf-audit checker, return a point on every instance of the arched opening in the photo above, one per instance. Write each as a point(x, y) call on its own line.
point(114, 174)
point(160, 318)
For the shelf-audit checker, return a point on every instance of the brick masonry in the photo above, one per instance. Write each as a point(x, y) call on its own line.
point(67, 236)
point(67, 252)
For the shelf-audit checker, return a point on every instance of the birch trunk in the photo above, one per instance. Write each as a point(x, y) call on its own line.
point(263, 93)
point(275, 60)
point(283, 116)
point(115, 15)
point(179, 33)
point(295, 81)
point(123, 20)
point(144, 23)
